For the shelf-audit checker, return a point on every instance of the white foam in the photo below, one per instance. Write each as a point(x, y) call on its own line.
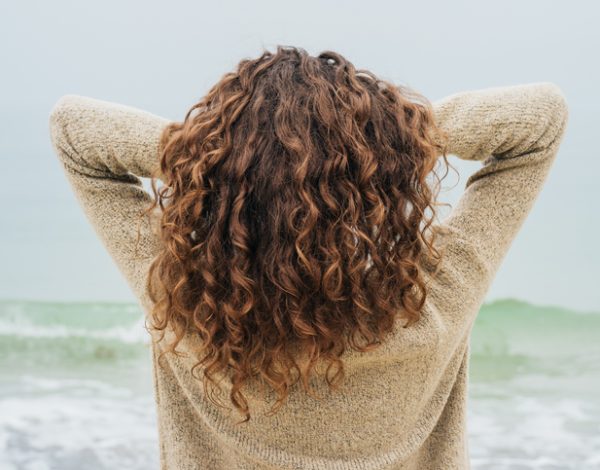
point(23, 327)
point(533, 432)
point(39, 432)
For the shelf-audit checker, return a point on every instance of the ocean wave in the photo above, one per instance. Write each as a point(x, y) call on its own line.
point(25, 328)
point(509, 334)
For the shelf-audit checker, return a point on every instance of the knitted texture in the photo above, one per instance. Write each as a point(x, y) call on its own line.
point(403, 405)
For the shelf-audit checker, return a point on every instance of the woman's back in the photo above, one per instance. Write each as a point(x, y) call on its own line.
point(401, 405)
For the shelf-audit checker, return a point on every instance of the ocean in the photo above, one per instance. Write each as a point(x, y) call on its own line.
point(76, 387)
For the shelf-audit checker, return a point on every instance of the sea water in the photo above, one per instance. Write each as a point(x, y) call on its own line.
point(76, 388)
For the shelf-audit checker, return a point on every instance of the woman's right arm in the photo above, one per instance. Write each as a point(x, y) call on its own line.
point(515, 131)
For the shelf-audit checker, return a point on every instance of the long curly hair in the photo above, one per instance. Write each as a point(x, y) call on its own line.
point(295, 213)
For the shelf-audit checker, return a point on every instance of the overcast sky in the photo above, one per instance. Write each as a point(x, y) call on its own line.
point(163, 56)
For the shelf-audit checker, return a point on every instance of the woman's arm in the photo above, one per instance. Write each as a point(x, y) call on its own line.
point(515, 131)
point(104, 147)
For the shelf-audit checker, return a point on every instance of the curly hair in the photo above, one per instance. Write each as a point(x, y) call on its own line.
point(294, 216)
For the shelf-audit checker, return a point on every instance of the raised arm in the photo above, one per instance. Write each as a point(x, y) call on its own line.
point(515, 131)
point(104, 147)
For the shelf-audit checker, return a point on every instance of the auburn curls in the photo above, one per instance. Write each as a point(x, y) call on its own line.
point(295, 212)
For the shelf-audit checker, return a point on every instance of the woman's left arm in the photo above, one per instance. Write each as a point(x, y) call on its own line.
point(104, 147)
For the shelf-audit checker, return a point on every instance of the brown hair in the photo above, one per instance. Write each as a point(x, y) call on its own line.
point(294, 214)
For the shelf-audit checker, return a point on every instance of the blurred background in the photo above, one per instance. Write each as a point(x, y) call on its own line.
point(75, 377)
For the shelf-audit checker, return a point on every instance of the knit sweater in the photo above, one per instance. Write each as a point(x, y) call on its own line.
point(403, 405)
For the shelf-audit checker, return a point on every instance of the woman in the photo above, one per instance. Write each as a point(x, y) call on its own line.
point(291, 260)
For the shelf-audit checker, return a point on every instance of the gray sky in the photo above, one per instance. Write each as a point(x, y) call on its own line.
point(163, 56)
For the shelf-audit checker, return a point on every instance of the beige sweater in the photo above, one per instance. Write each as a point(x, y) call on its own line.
point(403, 406)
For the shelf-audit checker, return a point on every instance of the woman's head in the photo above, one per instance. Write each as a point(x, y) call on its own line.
point(294, 217)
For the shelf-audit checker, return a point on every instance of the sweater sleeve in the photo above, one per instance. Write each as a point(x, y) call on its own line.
point(104, 148)
point(515, 131)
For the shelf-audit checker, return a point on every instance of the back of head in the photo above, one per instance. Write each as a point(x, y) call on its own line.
point(294, 214)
